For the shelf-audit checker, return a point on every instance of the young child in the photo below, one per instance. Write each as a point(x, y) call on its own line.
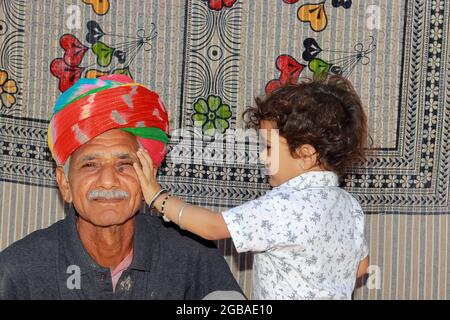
point(307, 233)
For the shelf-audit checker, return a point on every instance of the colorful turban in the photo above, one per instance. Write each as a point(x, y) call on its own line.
point(92, 106)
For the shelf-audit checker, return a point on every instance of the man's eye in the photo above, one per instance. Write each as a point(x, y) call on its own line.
point(89, 165)
point(125, 165)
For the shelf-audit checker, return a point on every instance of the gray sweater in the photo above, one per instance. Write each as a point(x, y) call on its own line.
point(167, 264)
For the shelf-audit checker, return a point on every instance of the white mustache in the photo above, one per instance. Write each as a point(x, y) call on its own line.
point(108, 195)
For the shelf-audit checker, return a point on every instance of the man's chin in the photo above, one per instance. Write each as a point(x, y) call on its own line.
point(107, 213)
point(108, 219)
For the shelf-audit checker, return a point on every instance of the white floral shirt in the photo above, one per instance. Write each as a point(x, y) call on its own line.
point(307, 235)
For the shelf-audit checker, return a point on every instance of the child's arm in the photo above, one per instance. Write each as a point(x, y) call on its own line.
point(362, 268)
point(201, 221)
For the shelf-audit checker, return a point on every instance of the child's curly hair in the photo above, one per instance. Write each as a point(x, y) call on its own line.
point(326, 114)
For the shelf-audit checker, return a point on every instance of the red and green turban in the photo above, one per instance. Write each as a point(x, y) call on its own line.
point(92, 106)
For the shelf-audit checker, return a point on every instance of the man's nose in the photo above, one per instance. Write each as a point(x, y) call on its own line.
point(108, 177)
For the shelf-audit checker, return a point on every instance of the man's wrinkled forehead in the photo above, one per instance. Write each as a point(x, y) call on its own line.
point(116, 155)
point(96, 152)
point(114, 143)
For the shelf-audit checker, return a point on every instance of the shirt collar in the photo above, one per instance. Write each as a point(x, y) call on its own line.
point(313, 179)
point(123, 265)
point(145, 244)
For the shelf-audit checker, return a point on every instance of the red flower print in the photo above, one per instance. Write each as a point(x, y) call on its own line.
point(219, 4)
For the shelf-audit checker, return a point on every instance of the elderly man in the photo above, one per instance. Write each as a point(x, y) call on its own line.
point(104, 248)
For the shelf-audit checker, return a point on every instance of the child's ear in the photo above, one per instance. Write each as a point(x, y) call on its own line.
point(306, 151)
point(63, 184)
point(308, 154)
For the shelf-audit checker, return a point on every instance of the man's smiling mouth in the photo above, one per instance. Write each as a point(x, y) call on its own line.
point(102, 200)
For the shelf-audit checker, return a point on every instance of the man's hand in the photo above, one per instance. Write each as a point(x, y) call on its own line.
point(146, 173)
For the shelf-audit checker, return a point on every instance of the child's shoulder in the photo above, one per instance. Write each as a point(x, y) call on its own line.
point(312, 194)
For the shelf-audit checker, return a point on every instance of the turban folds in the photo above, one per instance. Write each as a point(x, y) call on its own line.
point(93, 106)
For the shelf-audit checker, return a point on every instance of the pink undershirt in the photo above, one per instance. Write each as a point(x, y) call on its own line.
point(123, 265)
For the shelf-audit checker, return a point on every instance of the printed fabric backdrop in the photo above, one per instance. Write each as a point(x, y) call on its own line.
point(208, 60)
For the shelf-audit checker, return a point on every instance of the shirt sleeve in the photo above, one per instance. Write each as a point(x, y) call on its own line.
point(360, 230)
point(364, 249)
point(254, 225)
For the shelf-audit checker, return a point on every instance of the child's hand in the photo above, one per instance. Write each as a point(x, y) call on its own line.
point(146, 175)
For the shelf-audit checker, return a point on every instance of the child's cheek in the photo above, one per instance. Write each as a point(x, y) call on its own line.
point(268, 166)
point(263, 156)
point(273, 181)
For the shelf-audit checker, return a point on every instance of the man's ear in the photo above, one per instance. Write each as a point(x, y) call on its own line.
point(63, 184)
